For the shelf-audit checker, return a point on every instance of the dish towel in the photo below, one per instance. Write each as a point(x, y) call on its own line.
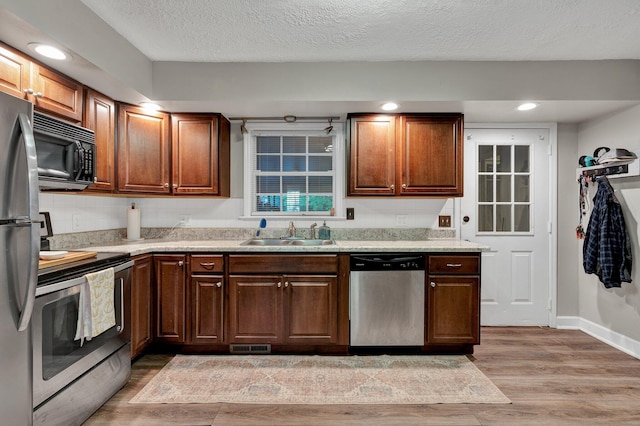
point(96, 306)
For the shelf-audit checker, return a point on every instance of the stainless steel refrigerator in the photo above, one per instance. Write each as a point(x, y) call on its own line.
point(19, 252)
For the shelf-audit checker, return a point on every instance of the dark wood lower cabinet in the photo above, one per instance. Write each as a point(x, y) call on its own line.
point(453, 314)
point(141, 304)
point(284, 309)
point(170, 292)
point(207, 313)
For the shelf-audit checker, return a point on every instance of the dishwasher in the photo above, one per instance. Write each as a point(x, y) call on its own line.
point(386, 300)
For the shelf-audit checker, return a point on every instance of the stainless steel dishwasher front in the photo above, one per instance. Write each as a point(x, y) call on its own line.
point(386, 300)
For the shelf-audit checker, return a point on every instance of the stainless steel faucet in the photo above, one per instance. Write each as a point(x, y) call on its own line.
point(312, 231)
point(291, 232)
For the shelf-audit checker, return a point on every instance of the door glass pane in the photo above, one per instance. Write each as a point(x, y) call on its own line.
point(503, 158)
point(522, 218)
point(485, 188)
point(485, 218)
point(503, 188)
point(503, 218)
point(521, 158)
point(521, 190)
point(485, 158)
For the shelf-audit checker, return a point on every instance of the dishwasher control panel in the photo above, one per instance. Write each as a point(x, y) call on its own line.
point(387, 262)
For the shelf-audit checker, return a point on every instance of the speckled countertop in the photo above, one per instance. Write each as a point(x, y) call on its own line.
point(340, 246)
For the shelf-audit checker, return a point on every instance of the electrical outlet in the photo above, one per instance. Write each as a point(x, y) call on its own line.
point(184, 219)
point(75, 222)
point(401, 220)
point(444, 221)
point(351, 215)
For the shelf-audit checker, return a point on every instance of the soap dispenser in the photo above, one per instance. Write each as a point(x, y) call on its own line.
point(324, 232)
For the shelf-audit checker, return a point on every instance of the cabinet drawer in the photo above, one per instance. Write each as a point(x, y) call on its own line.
point(206, 264)
point(287, 264)
point(451, 264)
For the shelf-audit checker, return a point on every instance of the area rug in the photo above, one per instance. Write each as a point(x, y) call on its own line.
point(294, 379)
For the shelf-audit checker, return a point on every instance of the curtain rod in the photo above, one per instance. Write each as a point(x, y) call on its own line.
point(287, 118)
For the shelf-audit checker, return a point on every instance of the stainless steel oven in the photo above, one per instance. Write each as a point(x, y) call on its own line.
point(70, 380)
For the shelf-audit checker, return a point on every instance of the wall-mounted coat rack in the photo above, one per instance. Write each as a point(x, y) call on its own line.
point(618, 170)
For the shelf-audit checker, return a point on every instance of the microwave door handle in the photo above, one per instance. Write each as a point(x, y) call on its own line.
point(34, 233)
point(77, 167)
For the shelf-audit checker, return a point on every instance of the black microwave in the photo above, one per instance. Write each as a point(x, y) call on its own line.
point(66, 154)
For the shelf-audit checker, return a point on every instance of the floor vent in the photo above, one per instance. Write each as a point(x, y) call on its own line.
point(250, 349)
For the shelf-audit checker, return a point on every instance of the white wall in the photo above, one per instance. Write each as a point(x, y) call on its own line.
point(81, 213)
point(617, 311)
point(567, 302)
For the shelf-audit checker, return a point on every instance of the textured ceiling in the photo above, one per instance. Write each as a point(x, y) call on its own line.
point(375, 30)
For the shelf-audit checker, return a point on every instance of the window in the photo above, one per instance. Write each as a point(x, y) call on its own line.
point(293, 169)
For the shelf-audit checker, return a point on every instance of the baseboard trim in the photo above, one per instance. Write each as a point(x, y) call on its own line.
point(612, 338)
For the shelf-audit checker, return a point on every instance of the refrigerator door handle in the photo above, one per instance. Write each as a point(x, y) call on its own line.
point(34, 234)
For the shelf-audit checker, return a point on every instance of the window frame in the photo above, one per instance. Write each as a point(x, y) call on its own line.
point(293, 129)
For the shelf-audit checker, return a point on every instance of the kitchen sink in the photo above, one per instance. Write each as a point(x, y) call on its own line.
point(285, 242)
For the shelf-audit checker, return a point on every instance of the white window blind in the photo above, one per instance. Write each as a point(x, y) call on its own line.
point(291, 173)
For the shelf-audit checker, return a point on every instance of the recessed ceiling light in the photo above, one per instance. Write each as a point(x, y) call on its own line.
point(527, 106)
point(48, 51)
point(390, 106)
point(151, 106)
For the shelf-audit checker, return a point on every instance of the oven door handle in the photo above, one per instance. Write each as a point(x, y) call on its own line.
point(120, 328)
point(41, 291)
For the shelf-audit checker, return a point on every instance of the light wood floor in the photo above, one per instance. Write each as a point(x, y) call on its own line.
point(553, 377)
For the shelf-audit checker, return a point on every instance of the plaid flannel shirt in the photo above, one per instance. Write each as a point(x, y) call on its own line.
point(607, 248)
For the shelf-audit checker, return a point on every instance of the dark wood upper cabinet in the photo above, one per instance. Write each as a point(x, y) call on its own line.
point(100, 116)
point(49, 91)
point(15, 72)
point(405, 155)
point(143, 151)
point(57, 94)
point(372, 155)
point(200, 154)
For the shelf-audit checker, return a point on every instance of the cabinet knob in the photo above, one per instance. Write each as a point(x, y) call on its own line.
point(286, 284)
point(404, 186)
point(95, 179)
point(279, 284)
point(180, 263)
point(393, 187)
point(38, 94)
point(175, 185)
point(219, 284)
point(28, 91)
point(433, 284)
point(166, 185)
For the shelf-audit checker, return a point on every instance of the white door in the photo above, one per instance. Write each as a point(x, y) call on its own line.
point(506, 207)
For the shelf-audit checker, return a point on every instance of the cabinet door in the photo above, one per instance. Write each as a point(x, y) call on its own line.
point(143, 150)
point(207, 309)
point(199, 147)
point(372, 155)
point(430, 157)
point(141, 304)
point(453, 309)
point(15, 72)
point(57, 94)
point(311, 309)
point(100, 116)
point(255, 309)
point(170, 298)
